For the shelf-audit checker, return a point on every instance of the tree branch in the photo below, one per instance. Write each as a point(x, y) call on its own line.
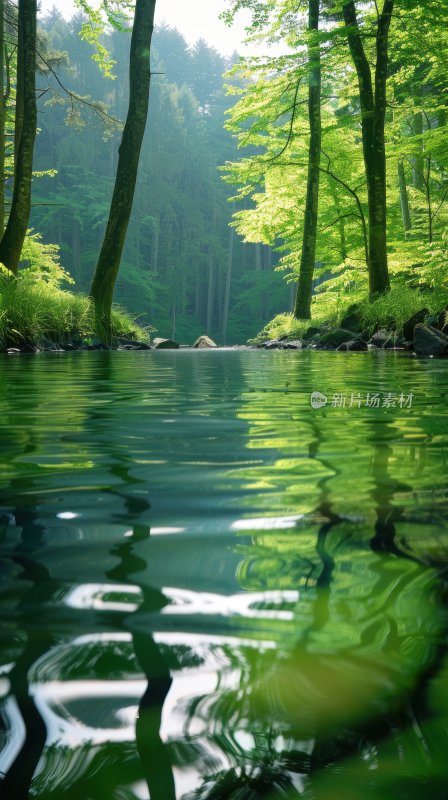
point(342, 216)
point(353, 193)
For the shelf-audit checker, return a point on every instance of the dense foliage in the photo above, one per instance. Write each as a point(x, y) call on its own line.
point(182, 268)
point(336, 183)
point(271, 116)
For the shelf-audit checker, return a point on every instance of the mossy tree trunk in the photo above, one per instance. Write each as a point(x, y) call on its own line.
point(302, 307)
point(25, 133)
point(129, 153)
point(372, 97)
point(2, 117)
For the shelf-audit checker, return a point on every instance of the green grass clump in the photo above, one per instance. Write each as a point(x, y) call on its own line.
point(328, 308)
point(283, 325)
point(393, 309)
point(32, 311)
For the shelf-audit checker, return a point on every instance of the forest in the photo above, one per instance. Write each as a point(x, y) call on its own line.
point(269, 189)
point(223, 402)
point(183, 270)
point(349, 177)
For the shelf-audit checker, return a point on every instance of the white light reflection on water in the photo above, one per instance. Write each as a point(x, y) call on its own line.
point(16, 732)
point(163, 531)
point(244, 604)
point(68, 707)
point(100, 596)
point(63, 704)
point(267, 523)
point(253, 605)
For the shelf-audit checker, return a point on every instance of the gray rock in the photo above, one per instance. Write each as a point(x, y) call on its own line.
point(355, 345)
point(165, 344)
point(409, 325)
point(394, 342)
point(12, 351)
point(272, 344)
point(204, 341)
point(380, 338)
point(53, 349)
point(131, 344)
point(296, 344)
point(429, 341)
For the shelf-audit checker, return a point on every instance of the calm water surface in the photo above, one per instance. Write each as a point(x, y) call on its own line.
point(210, 589)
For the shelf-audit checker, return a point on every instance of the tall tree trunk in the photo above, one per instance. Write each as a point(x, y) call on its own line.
point(197, 293)
point(129, 153)
point(427, 185)
point(2, 117)
point(226, 306)
point(379, 281)
point(373, 112)
point(302, 307)
point(25, 133)
point(155, 246)
point(76, 250)
point(173, 319)
point(404, 201)
point(210, 292)
point(19, 109)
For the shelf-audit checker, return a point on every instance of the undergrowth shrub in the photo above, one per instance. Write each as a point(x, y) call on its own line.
point(33, 310)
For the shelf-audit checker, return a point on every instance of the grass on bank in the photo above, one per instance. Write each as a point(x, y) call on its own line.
point(36, 312)
point(389, 311)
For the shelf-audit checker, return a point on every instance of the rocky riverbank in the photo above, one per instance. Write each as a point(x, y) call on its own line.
point(416, 336)
point(76, 344)
point(423, 334)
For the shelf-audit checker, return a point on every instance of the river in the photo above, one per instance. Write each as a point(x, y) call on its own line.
point(211, 589)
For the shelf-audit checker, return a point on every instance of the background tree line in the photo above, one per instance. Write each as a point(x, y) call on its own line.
point(183, 268)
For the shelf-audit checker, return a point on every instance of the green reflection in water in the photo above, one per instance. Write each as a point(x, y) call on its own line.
point(278, 574)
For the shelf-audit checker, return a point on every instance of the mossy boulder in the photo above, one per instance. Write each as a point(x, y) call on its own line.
point(204, 342)
point(415, 319)
point(312, 332)
point(337, 337)
point(354, 345)
point(429, 341)
point(165, 344)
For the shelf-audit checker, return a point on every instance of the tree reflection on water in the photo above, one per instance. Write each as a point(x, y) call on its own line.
point(296, 651)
